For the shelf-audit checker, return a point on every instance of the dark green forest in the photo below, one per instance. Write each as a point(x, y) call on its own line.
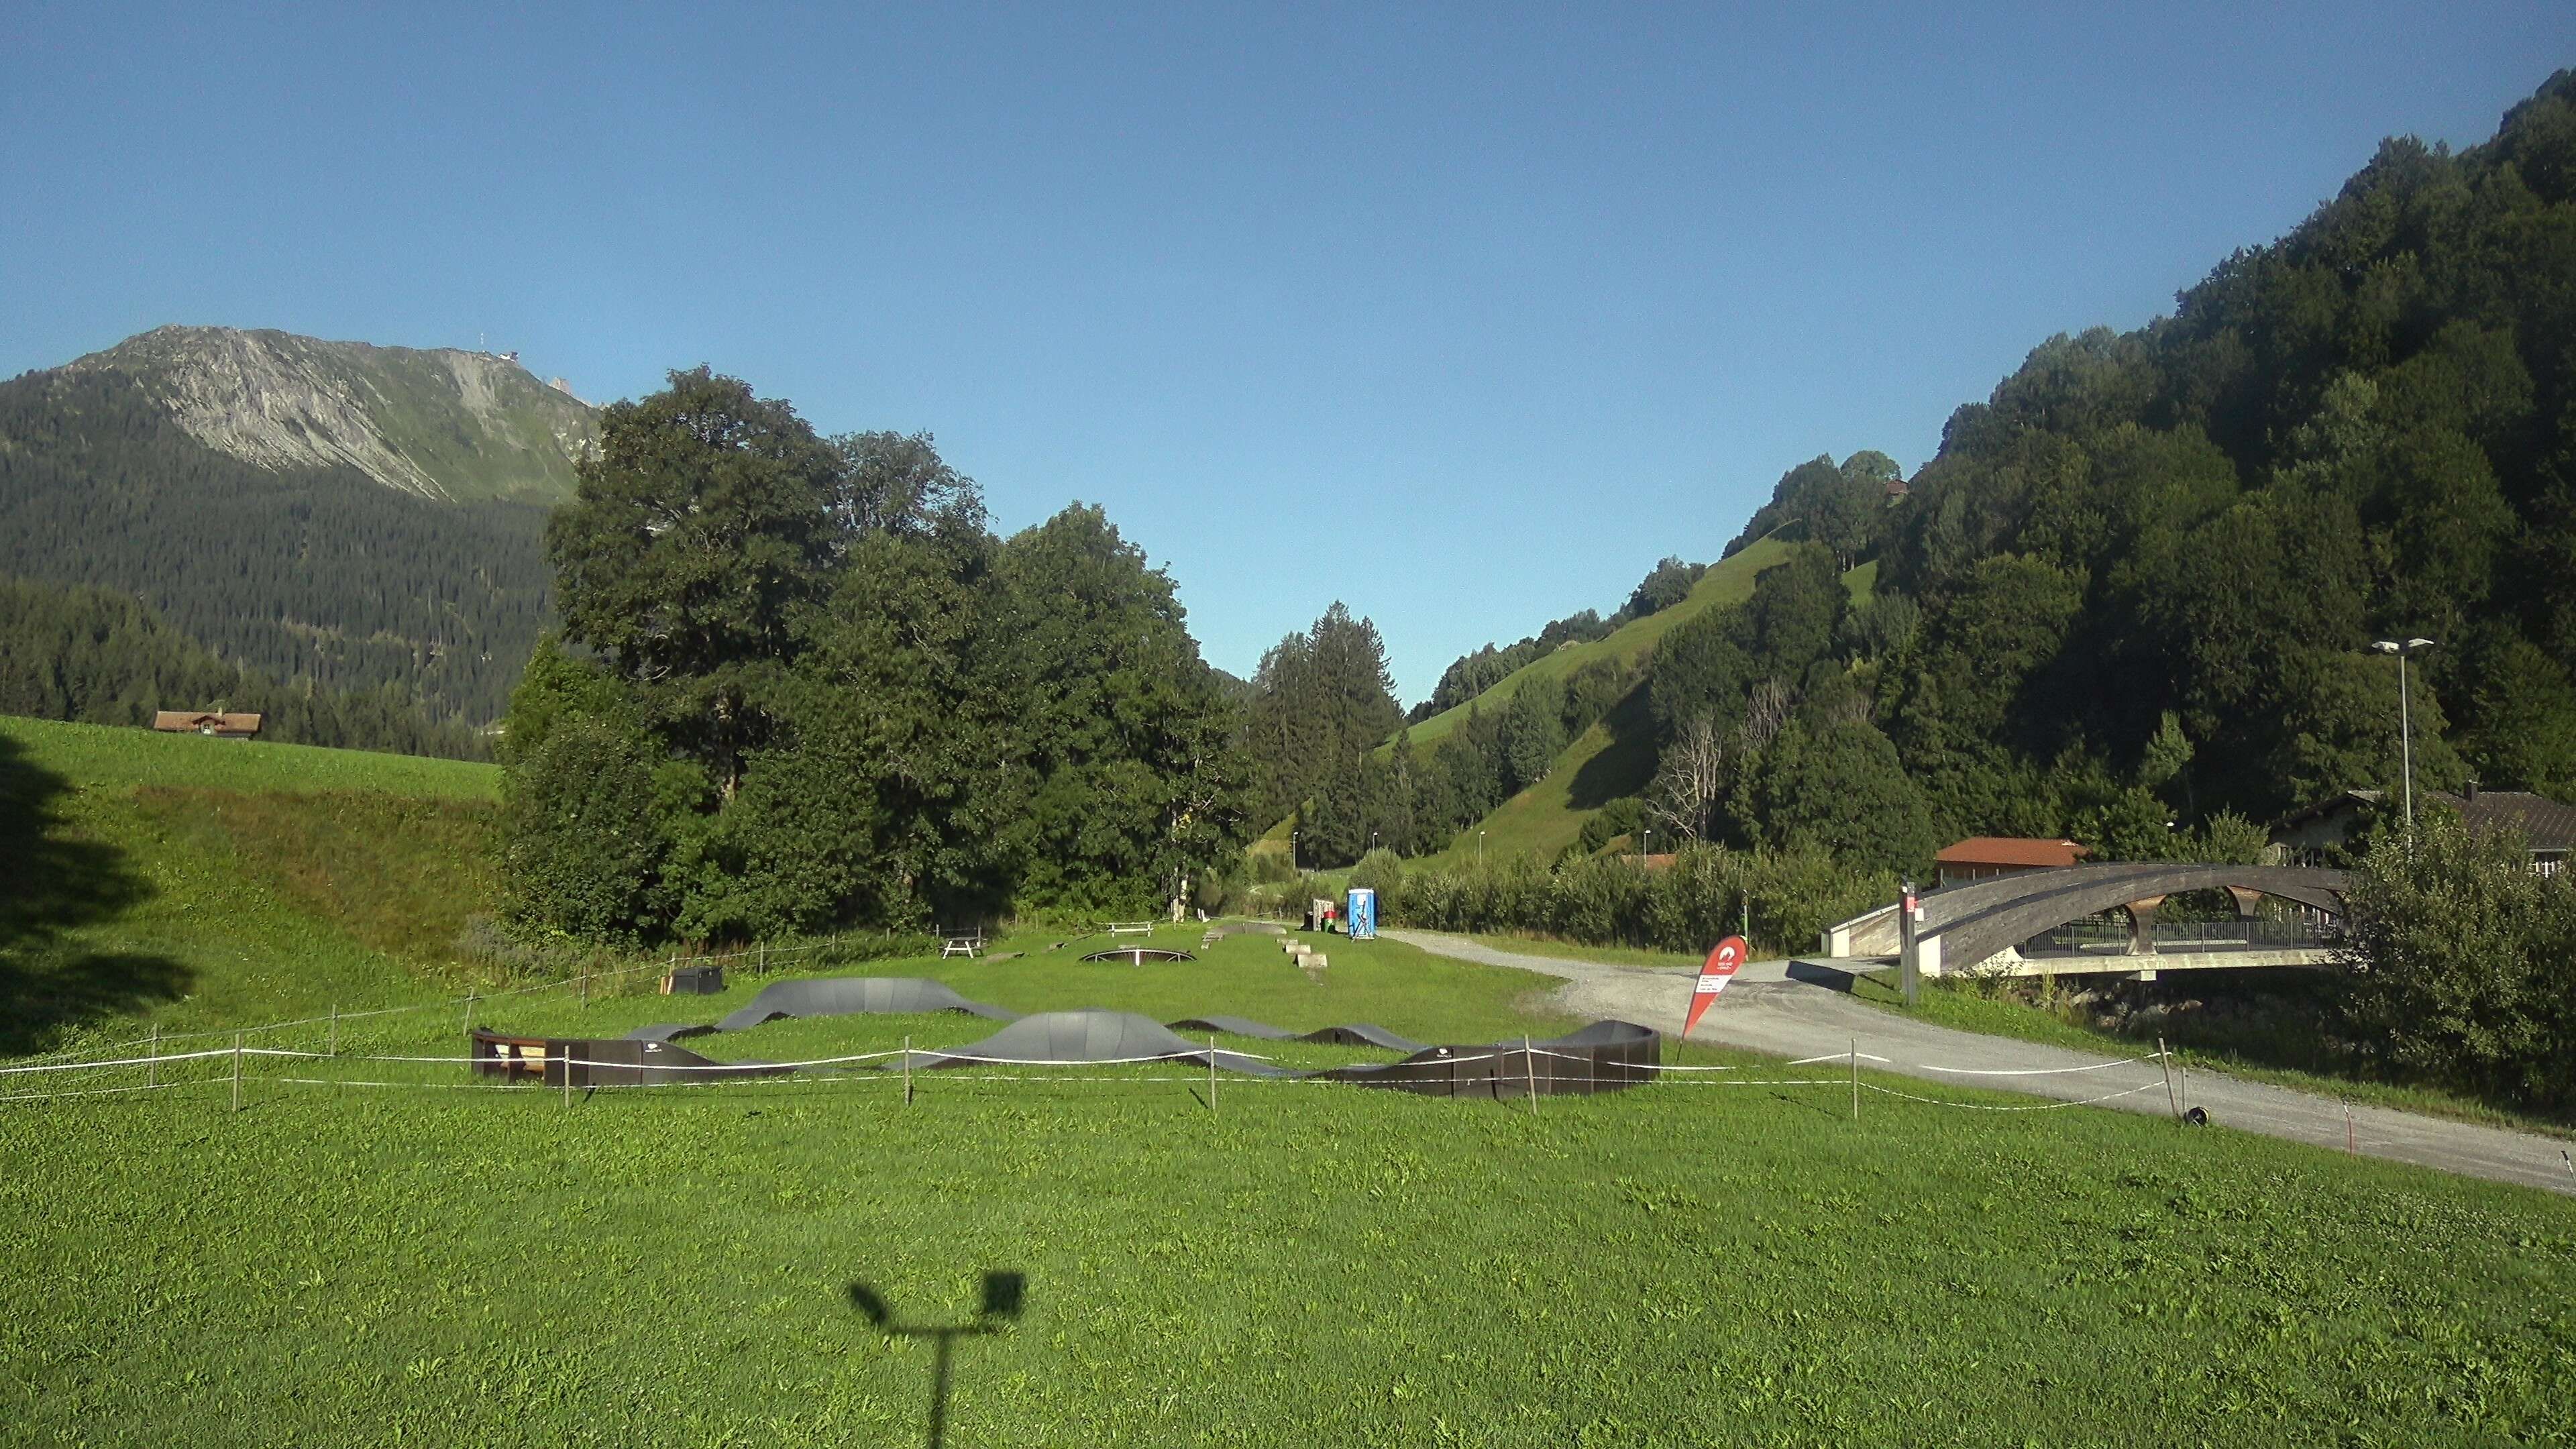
point(2131, 599)
point(323, 579)
point(100, 657)
point(801, 684)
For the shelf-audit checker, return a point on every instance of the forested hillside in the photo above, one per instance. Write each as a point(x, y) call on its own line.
point(2132, 598)
point(95, 656)
point(320, 542)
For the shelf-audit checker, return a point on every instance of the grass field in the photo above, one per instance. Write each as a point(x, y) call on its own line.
point(184, 882)
point(1679, 1264)
point(1715, 1258)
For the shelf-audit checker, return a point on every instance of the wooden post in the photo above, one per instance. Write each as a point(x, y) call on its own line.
point(1855, 1078)
point(2164, 1059)
point(1211, 1076)
point(564, 1064)
point(469, 1013)
point(2183, 1072)
point(585, 984)
point(1529, 1072)
point(2349, 1145)
point(907, 1069)
point(237, 1036)
point(335, 1029)
point(152, 1066)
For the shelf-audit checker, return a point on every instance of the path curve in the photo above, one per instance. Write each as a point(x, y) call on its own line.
point(1769, 1009)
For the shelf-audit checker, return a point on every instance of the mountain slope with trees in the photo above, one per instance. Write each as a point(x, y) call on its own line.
point(2132, 597)
point(330, 516)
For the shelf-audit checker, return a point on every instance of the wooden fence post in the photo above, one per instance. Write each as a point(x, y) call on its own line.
point(1529, 1073)
point(237, 1036)
point(1855, 1078)
point(152, 1065)
point(2164, 1059)
point(1211, 1076)
point(907, 1069)
point(335, 1029)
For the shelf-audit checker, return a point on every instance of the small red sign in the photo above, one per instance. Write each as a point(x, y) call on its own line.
point(1719, 969)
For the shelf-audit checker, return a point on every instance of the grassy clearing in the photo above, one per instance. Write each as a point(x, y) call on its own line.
point(2025, 1013)
point(1673, 1265)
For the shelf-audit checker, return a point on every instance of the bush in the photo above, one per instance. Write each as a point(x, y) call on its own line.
point(1791, 895)
point(2460, 963)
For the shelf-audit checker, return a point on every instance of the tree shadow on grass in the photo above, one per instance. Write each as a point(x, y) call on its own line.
point(51, 884)
point(1626, 766)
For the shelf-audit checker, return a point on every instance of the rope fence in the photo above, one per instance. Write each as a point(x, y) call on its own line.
point(166, 1071)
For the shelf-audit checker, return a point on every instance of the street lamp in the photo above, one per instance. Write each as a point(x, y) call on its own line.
point(1292, 850)
point(1480, 847)
point(2405, 725)
point(1646, 846)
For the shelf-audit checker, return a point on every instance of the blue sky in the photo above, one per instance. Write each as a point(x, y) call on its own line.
point(1465, 315)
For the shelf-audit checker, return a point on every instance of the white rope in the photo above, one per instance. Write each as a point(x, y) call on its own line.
point(2028, 1071)
point(2035, 1107)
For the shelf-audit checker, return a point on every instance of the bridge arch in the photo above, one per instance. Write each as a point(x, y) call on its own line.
point(1967, 925)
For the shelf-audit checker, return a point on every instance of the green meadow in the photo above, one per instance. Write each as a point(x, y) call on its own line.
point(1722, 1257)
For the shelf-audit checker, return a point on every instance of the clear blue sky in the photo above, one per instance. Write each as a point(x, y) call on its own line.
point(1464, 315)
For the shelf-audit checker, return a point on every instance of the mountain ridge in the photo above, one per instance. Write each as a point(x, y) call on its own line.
point(441, 424)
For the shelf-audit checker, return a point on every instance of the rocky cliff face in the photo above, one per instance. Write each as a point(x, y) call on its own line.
point(441, 424)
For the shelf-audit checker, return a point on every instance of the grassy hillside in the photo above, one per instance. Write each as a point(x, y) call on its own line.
point(1616, 756)
point(192, 883)
point(1729, 581)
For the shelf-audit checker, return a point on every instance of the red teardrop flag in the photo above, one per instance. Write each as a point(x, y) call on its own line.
point(1718, 970)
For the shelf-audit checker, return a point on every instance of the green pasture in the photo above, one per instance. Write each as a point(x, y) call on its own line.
point(1678, 1264)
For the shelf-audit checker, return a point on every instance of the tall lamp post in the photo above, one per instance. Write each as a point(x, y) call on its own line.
point(1292, 850)
point(2402, 648)
point(1480, 847)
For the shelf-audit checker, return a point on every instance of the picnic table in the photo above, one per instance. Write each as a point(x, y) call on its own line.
point(968, 944)
point(1131, 928)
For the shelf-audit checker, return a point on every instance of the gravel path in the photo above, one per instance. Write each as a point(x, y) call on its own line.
point(1793, 1009)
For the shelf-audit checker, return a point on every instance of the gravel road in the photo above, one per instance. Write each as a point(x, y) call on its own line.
point(1793, 1009)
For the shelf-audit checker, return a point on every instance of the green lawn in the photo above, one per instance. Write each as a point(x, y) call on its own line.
point(1319, 1264)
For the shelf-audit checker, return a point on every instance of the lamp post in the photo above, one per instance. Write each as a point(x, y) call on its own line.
point(1292, 850)
point(2405, 724)
point(1646, 845)
point(1480, 847)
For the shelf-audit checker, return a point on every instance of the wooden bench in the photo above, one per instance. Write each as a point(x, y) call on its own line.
point(1131, 928)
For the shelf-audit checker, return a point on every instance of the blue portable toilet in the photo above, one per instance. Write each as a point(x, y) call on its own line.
point(1359, 918)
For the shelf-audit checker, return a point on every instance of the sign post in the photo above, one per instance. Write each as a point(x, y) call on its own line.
point(1719, 969)
point(1909, 966)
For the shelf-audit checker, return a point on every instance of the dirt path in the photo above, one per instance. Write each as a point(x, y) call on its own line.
point(1789, 1009)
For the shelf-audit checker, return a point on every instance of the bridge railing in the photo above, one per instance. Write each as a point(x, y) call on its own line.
point(2098, 935)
